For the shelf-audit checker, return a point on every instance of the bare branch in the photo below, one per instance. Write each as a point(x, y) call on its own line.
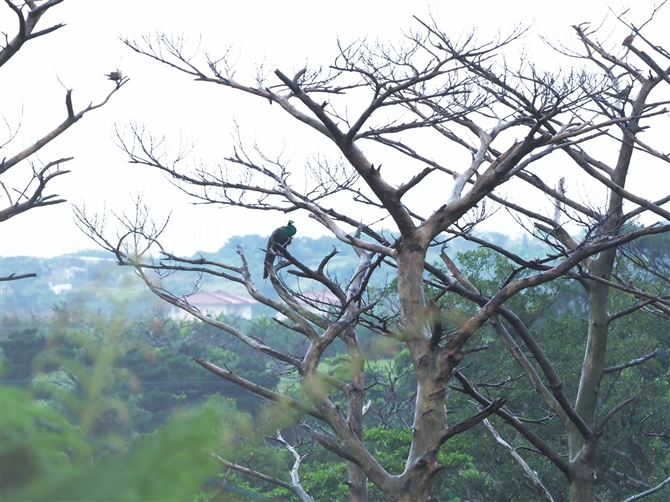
point(632, 362)
point(26, 27)
point(656, 488)
point(276, 397)
point(530, 474)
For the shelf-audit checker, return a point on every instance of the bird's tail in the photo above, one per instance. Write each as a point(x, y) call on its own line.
point(267, 264)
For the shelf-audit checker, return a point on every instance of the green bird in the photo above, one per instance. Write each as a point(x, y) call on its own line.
point(281, 236)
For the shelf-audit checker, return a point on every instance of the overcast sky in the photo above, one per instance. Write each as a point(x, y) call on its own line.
point(283, 34)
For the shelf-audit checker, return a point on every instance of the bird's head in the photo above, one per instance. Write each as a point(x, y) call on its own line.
point(290, 222)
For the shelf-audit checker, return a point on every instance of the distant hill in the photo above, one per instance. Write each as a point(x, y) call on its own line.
point(93, 278)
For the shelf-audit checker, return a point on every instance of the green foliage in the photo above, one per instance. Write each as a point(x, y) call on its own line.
point(556, 314)
point(326, 480)
point(22, 342)
point(46, 458)
point(59, 441)
point(36, 439)
point(120, 393)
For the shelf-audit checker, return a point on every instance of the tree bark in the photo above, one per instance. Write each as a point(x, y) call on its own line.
point(582, 450)
point(357, 480)
point(430, 416)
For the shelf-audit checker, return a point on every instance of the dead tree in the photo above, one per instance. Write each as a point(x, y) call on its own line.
point(448, 113)
point(27, 189)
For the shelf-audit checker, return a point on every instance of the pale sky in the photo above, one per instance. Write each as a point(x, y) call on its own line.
point(283, 34)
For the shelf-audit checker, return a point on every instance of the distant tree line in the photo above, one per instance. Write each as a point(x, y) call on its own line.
point(153, 377)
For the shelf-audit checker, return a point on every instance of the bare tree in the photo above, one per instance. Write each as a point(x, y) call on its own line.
point(36, 175)
point(414, 105)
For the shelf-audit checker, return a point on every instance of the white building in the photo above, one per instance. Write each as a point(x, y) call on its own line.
point(215, 303)
point(59, 288)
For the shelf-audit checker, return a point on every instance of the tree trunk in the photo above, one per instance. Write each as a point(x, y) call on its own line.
point(358, 486)
point(416, 489)
point(583, 484)
point(582, 450)
point(430, 417)
point(357, 480)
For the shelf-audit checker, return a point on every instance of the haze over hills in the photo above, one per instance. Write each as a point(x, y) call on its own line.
point(93, 278)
